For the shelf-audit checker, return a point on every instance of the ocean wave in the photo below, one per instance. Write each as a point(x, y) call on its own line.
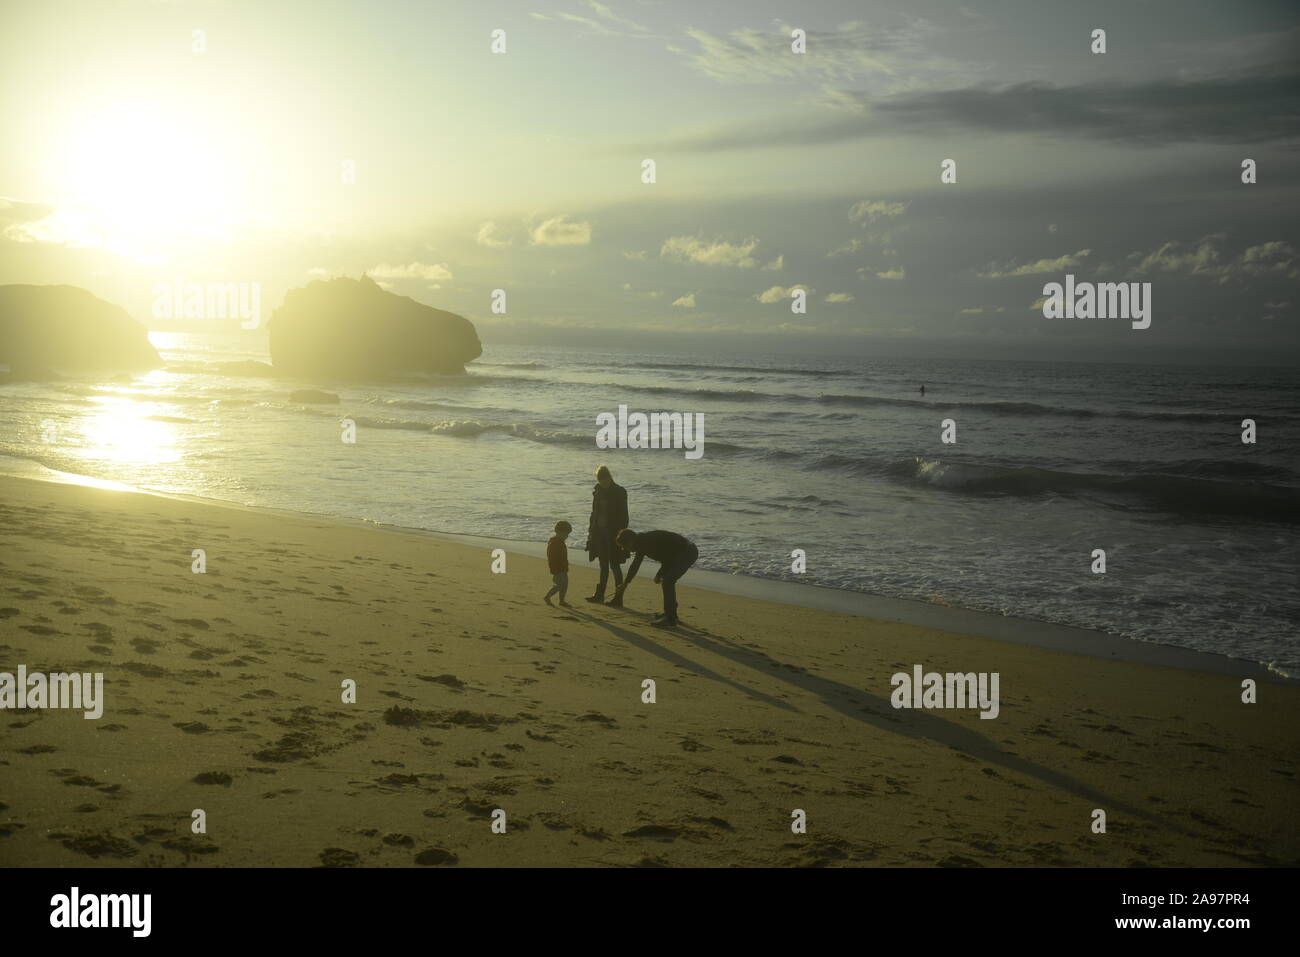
point(1228, 469)
point(708, 367)
point(1025, 408)
point(421, 404)
point(510, 365)
point(470, 428)
point(869, 401)
point(370, 422)
point(737, 395)
point(1247, 498)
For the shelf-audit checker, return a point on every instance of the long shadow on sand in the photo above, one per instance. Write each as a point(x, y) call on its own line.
point(870, 709)
point(681, 661)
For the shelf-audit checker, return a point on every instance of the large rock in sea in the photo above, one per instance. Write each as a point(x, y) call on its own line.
point(67, 328)
point(350, 328)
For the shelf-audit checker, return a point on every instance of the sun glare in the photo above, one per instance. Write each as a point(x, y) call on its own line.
point(126, 432)
point(147, 176)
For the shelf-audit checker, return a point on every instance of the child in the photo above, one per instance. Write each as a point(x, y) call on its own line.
point(557, 555)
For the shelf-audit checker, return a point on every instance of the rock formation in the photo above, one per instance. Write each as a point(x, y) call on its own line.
point(350, 328)
point(68, 329)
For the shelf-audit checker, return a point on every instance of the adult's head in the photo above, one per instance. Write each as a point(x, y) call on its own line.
point(626, 540)
point(604, 477)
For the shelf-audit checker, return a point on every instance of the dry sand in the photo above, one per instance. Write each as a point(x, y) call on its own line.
point(223, 692)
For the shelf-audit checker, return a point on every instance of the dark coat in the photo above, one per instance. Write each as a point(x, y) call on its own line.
point(615, 498)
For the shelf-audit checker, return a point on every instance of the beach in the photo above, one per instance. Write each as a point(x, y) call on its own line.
point(224, 693)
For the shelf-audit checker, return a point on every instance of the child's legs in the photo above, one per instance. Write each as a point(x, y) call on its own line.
point(561, 580)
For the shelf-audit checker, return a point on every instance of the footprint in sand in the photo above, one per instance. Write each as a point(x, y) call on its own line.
point(436, 856)
point(96, 845)
point(654, 832)
point(213, 777)
point(451, 681)
point(38, 749)
point(339, 857)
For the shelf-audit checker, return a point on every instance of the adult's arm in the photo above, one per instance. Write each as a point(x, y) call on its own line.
point(636, 566)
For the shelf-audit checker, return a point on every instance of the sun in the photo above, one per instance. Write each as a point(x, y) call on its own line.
point(148, 175)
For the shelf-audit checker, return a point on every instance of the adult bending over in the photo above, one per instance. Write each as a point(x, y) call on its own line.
point(608, 515)
point(674, 553)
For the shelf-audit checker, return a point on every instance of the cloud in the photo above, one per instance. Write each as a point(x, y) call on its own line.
point(14, 211)
point(1060, 264)
point(558, 231)
point(1238, 108)
point(1270, 259)
point(978, 310)
point(606, 23)
point(605, 13)
point(898, 272)
point(839, 297)
point(488, 236)
point(638, 256)
point(430, 272)
point(874, 210)
point(1256, 107)
point(776, 293)
point(849, 52)
point(685, 302)
point(776, 264)
point(690, 249)
point(25, 222)
point(852, 246)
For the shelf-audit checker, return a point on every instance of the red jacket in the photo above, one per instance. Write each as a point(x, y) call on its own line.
point(557, 554)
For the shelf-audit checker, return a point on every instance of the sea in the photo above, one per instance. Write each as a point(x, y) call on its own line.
point(830, 471)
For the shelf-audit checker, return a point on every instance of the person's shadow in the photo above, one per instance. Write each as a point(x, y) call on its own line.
point(681, 661)
point(861, 706)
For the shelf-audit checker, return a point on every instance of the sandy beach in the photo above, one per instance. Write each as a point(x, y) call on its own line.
point(223, 692)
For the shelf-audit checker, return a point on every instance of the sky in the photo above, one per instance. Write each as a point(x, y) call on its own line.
point(279, 142)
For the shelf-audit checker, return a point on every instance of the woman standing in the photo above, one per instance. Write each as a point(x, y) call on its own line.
point(608, 518)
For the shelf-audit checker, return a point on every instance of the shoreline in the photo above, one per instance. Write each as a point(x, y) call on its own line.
point(1029, 632)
